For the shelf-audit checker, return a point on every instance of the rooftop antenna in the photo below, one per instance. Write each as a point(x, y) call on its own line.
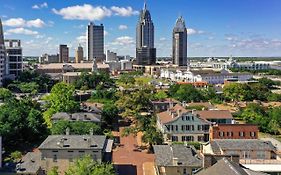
point(144, 5)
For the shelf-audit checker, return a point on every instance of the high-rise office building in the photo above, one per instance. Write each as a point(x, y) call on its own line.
point(95, 42)
point(2, 54)
point(145, 51)
point(79, 54)
point(13, 57)
point(180, 43)
point(64, 54)
point(111, 56)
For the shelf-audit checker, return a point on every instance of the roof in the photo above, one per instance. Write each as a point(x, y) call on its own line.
point(74, 142)
point(241, 144)
point(88, 65)
point(206, 104)
point(185, 156)
point(167, 116)
point(30, 163)
point(214, 114)
point(226, 167)
point(166, 100)
point(81, 116)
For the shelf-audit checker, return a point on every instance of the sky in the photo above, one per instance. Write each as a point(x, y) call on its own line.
point(215, 27)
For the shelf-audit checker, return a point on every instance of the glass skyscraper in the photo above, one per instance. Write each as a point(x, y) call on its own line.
point(180, 43)
point(145, 51)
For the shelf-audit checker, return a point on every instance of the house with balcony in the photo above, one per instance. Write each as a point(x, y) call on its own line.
point(179, 125)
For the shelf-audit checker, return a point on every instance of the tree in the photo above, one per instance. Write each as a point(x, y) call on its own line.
point(126, 79)
point(188, 93)
point(16, 156)
point(30, 87)
point(76, 127)
point(60, 100)
point(87, 166)
point(109, 113)
point(152, 136)
point(160, 95)
point(53, 171)
point(21, 122)
point(267, 82)
point(5, 94)
point(235, 91)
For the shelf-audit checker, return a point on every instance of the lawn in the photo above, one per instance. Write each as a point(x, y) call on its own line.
point(263, 135)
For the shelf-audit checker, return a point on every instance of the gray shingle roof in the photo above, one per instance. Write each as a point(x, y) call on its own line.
point(185, 156)
point(74, 142)
point(241, 144)
point(226, 167)
point(30, 163)
point(81, 116)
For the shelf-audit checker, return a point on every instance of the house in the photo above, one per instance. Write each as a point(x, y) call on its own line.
point(163, 105)
point(176, 159)
point(245, 148)
point(62, 150)
point(179, 124)
point(227, 167)
point(216, 116)
point(81, 116)
point(234, 131)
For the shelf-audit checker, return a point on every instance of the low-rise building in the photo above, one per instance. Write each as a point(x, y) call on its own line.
point(81, 116)
point(163, 105)
point(216, 116)
point(179, 124)
point(176, 160)
point(246, 148)
point(227, 167)
point(62, 150)
point(234, 131)
point(70, 77)
point(202, 75)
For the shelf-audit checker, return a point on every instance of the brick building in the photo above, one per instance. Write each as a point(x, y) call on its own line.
point(234, 131)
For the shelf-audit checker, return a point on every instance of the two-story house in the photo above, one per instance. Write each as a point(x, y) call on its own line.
point(176, 159)
point(216, 116)
point(62, 150)
point(179, 124)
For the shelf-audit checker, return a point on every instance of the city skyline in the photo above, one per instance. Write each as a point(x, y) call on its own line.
point(215, 28)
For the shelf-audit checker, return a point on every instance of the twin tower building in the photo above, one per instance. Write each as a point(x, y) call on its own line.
point(145, 50)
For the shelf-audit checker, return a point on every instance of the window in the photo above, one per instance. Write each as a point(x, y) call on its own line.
point(176, 127)
point(253, 134)
point(199, 127)
point(246, 154)
point(187, 138)
point(55, 158)
point(81, 151)
point(184, 171)
point(54, 151)
point(221, 134)
point(174, 138)
point(241, 134)
point(260, 154)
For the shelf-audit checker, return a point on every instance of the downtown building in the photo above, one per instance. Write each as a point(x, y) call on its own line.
point(79, 54)
point(2, 55)
point(95, 42)
point(145, 51)
point(14, 60)
point(180, 43)
point(64, 54)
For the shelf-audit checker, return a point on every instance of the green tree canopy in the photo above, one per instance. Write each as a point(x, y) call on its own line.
point(60, 100)
point(77, 127)
point(160, 95)
point(188, 93)
point(87, 166)
point(5, 94)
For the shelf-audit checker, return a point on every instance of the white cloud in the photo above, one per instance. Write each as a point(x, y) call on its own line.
point(40, 6)
point(123, 27)
point(123, 40)
point(14, 22)
point(22, 31)
point(191, 31)
point(89, 12)
point(38, 23)
point(20, 22)
point(163, 39)
point(124, 11)
point(105, 33)
point(84, 12)
point(82, 39)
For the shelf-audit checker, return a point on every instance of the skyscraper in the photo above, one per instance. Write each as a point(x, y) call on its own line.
point(95, 42)
point(145, 51)
point(2, 54)
point(79, 54)
point(180, 43)
point(64, 54)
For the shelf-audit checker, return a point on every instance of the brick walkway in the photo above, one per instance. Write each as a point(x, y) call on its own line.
point(127, 159)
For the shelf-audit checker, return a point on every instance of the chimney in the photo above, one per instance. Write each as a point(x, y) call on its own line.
point(175, 161)
point(179, 112)
point(67, 131)
point(193, 111)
